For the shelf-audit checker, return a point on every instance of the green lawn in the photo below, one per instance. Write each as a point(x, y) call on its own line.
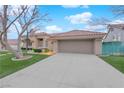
point(115, 61)
point(7, 66)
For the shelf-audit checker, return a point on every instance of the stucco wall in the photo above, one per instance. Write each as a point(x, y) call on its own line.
point(97, 46)
point(35, 43)
point(50, 44)
point(115, 33)
point(55, 46)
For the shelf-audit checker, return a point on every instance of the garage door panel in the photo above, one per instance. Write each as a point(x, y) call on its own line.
point(76, 46)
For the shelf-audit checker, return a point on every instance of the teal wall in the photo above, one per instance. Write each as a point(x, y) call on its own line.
point(113, 48)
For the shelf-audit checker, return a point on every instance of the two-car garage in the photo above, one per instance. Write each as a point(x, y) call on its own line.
point(76, 46)
point(78, 41)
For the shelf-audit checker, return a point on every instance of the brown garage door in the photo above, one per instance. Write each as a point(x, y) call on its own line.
point(76, 46)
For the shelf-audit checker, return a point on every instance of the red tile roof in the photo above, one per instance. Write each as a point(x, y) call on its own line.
point(79, 33)
point(36, 34)
point(40, 34)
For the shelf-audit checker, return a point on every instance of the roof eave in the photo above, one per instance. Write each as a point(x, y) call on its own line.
point(77, 37)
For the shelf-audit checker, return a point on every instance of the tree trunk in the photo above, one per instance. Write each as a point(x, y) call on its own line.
point(5, 39)
point(19, 46)
point(2, 45)
point(17, 54)
point(4, 24)
point(27, 41)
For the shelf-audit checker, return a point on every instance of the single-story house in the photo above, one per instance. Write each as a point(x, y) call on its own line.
point(113, 43)
point(76, 41)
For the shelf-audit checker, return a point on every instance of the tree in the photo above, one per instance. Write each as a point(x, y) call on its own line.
point(22, 17)
point(6, 24)
point(30, 17)
point(29, 32)
point(118, 12)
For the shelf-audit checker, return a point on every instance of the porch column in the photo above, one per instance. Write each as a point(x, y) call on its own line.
point(44, 43)
point(55, 46)
point(35, 43)
point(97, 46)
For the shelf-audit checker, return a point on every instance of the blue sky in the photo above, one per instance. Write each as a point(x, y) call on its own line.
point(58, 14)
point(66, 18)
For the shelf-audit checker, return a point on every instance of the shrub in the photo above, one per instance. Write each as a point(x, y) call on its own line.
point(37, 50)
point(46, 50)
point(25, 48)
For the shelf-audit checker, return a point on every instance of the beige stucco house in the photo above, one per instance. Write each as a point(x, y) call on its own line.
point(76, 41)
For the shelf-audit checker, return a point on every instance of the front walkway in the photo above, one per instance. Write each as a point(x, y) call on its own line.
point(66, 70)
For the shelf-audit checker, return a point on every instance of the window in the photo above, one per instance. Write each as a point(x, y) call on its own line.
point(122, 28)
point(51, 42)
point(116, 37)
point(119, 37)
point(111, 29)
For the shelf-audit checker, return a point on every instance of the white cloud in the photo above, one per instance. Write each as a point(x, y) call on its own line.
point(80, 18)
point(39, 31)
point(96, 28)
point(1, 7)
point(102, 28)
point(85, 6)
point(53, 29)
point(75, 6)
point(70, 6)
point(118, 21)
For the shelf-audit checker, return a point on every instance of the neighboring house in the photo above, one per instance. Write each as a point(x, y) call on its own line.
point(76, 41)
point(115, 33)
point(12, 43)
point(113, 43)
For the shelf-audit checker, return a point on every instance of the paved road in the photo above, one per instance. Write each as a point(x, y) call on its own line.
point(66, 70)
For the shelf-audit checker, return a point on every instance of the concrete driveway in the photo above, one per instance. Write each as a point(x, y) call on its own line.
point(66, 70)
